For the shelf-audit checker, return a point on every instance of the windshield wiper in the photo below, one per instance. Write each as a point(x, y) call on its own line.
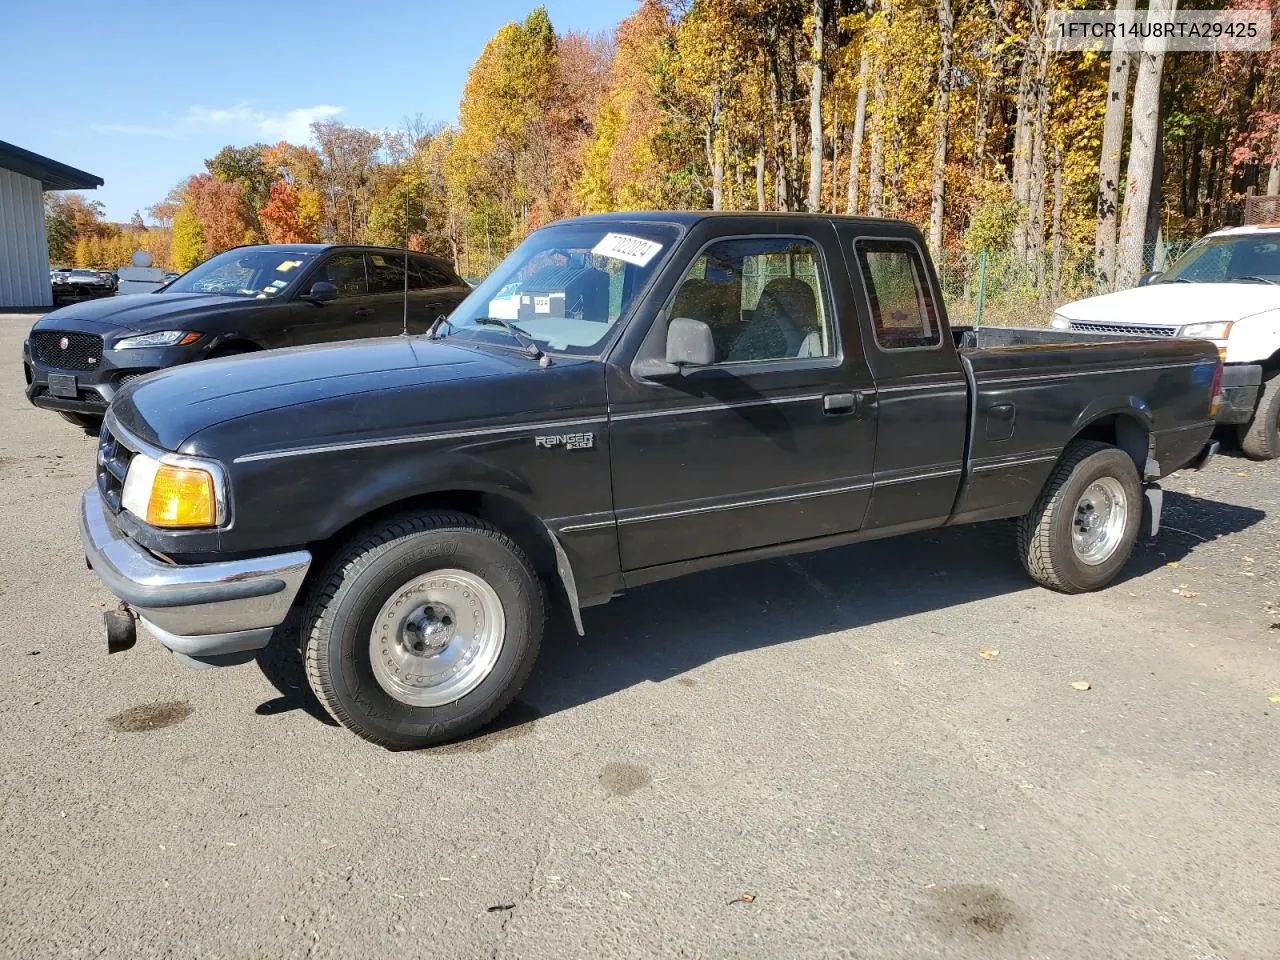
point(520, 336)
point(1251, 279)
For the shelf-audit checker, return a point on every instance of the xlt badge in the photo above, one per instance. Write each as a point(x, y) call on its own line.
point(570, 441)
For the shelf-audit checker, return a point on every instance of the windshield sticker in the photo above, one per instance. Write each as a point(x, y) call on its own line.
point(287, 265)
point(631, 249)
point(541, 304)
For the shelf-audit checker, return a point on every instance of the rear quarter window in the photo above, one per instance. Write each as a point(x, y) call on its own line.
point(903, 316)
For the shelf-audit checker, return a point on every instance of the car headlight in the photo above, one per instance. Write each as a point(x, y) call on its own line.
point(1059, 322)
point(177, 492)
point(1219, 330)
point(164, 338)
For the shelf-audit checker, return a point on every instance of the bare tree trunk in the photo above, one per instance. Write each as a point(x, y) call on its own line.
point(937, 194)
point(859, 131)
point(1039, 162)
point(1142, 148)
point(1027, 102)
point(1056, 282)
point(1151, 235)
point(1104, 244)
point(714, 158)
point(1273, 175)
point(835, 150)
point(760, 198)
point(815, 110)
point(875, 174)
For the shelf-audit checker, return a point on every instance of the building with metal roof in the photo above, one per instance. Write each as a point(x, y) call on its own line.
point(24, 247)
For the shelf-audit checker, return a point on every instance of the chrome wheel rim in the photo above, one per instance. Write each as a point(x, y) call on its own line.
point(1097, 529)
point(437, 638)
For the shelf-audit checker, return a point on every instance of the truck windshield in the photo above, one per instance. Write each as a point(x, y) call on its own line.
point(566, 286)
point(1230, 259)
point(259, 274)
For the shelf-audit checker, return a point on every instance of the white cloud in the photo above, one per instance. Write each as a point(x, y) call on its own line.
point(243, 119)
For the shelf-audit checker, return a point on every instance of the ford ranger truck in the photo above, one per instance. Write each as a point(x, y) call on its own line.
point(626, 399)
point(1225, 288)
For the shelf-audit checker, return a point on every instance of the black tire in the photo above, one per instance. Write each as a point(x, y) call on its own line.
point(1045, 542)
point(366, 573)
point(88, 422)
point(1260, 437)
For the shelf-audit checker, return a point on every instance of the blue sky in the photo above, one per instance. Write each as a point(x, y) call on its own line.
point(141, 93)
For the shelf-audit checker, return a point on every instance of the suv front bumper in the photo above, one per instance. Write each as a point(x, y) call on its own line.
point(1241, 383)
point(202, 611)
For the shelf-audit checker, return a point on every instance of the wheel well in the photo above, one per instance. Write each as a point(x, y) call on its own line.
point(1271, 366)
point(231, 347)
point(1128, 433)
point(505, 513)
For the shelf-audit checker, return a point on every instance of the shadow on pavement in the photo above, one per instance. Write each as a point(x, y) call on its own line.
point(659, 631)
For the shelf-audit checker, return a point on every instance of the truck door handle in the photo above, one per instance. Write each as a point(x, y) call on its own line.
point(840, 404)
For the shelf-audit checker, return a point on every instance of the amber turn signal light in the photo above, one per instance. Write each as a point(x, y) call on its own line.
point(182, 497)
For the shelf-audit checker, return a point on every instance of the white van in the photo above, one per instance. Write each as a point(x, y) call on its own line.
point(1226, 289)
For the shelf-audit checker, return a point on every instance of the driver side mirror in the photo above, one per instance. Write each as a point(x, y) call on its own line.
point(1148, 278)
point(689, 343)
point(322, 291)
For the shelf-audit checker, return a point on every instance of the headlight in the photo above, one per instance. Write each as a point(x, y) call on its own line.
point(182, 493)
point(1059, 322)
point(165, 338)
point(1219, 330)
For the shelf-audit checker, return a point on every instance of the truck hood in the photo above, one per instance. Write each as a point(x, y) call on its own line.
point(170, 407)
point(1176, 303)
point(140, 312)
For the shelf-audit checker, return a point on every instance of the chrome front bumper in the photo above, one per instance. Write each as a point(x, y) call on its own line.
point(201, 611)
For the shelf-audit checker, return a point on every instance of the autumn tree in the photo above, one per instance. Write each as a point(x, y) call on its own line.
point(188, 239)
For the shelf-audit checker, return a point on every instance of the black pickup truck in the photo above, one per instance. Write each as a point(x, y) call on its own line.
point(626, 399)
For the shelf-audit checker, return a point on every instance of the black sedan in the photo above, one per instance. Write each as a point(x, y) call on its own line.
point(246, 299)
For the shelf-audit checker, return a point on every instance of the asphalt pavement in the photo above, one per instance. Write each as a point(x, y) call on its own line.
point(876, 751)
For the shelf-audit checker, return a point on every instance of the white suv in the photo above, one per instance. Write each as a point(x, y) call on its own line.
point(1226, 289)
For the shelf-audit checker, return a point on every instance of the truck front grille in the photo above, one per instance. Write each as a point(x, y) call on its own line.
point(1124, 329)
point(113, 464)
point(67, 351)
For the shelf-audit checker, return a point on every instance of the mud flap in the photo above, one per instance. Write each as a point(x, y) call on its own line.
point(1152, 504)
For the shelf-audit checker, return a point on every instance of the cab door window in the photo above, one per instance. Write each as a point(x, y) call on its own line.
point(763, 298)
point(346, 272)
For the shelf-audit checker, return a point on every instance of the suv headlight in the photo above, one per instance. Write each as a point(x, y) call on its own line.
point(1059, 322)
point(175, 491)
point(164, 338)
point(1219, 330)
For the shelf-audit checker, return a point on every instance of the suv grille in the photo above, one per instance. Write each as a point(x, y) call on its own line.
point(1124, 329)
point(67, 351)
point(113, 464)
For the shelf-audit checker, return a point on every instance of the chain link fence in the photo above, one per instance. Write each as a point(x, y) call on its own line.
point(1000, 288)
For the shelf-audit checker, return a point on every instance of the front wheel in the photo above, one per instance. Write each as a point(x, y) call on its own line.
point(1083, 526)
point(423, 630)
point(1260, 437)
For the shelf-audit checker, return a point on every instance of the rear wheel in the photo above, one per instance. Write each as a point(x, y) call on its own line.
point(88, 422)
point(1084, 524)
point(1260, 437)
point(423, 629)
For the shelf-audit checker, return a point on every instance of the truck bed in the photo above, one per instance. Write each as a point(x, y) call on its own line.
point(1148, 396)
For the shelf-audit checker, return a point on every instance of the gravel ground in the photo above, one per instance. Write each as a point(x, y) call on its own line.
point(800, 758)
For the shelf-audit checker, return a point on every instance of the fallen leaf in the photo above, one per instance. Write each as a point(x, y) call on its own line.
point(1080, 685)
point(1274, 699)
point(988, 653)
point(1242, 474)
point(1173, 563)
point(1182, 591)
point(501, 906)
point(1191, 490)
point(745, 898)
